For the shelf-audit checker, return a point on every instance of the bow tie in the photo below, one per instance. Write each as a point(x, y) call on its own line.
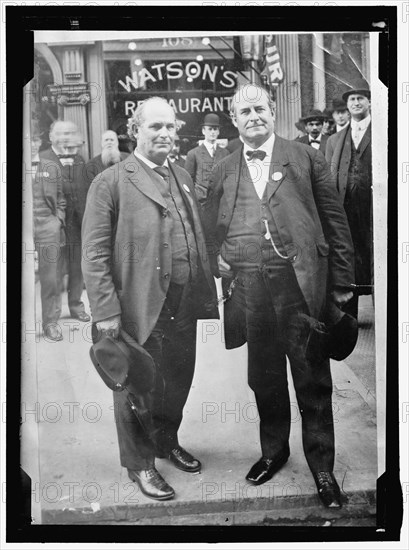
point(315, 141)
point(257, 154)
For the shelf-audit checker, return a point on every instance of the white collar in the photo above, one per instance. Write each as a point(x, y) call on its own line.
point(147, 161)
point(267, 146)
point(361, 124)
point(318, 138)
point(210, 146)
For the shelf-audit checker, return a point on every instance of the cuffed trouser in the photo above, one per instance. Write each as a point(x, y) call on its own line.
point(274, 309)
point(172, 345)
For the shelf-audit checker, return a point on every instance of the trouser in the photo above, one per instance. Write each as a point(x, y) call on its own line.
point(273, 305)
point(172, 345)
point(73, 253)
point(49, 262)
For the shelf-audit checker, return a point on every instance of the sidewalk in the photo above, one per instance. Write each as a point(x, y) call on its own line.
point(81, 480)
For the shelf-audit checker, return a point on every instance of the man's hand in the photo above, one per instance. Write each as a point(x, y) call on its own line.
point(110, 326)
point(341, 297)
point(224, 268)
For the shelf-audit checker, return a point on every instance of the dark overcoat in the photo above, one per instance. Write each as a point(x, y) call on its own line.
point(200, 164)
point(127, 253)
point(309, 217)
point(323, 142)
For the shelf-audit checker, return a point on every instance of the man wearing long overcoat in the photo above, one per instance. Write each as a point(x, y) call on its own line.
point(146, 269)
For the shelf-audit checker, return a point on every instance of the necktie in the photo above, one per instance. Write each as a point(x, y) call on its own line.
point(164, 172)
point(356, 136)
point(257, 154)
point(35, 163)
point(315, 141)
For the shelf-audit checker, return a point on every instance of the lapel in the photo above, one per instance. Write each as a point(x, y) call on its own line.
point(48, 183)
point(278, 166)
point(233, 170)
point(143, 177)
point(205, 154)
point(365, 141)
point(187, 196)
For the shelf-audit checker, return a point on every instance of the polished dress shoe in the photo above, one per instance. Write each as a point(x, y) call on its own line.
point(265, 468)
point(152, 484)
point(51, 332)
point(184, 460)
point(328, 489)
point(81, 316)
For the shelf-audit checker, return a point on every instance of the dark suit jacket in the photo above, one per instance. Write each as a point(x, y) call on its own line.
point(48, 173)
point(126, 267)
point(306, 139)
point(338, 156)
point(309, 217)
point(95, 166)
point(200, 164)
point(75, 188)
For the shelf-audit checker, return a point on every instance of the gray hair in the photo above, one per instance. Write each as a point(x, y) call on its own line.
point(243, 91)
point(137, 118)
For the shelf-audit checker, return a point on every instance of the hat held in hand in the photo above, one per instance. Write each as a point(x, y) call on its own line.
point(123, 363)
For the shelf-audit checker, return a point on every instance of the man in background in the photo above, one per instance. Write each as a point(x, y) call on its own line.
point(110, 154)
point(340, 114)
point(65, 143)
point(201, 160)
point(174, 155)
point(313, 123)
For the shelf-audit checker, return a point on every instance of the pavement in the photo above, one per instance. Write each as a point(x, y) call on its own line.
point(70, 449)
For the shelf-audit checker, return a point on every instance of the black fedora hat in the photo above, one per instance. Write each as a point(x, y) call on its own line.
point(211, 120)
point(362, 89)
point(314, 114)
point(123, 363)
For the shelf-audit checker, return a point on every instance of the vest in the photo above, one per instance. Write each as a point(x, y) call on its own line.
point(245, 247)
point(183, 241)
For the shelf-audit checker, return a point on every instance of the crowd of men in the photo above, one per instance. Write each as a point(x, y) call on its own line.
point(285, 224)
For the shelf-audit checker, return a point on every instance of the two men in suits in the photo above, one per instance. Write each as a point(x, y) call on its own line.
point(64, 137)
point(279, 238)
point(110, 154)
point(349, 154)
point(147, 270)
point(201, 160)
point(49, 235)
point(313, 123)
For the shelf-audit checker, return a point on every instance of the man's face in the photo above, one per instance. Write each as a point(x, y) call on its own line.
point(156, 134)
point(253, 117)
point(340, 117)
point(109, 140)
point(35, 146)
point(359, 106)
point(210, 133)
point(314, 128)
point(64, 135)
point(176, 148)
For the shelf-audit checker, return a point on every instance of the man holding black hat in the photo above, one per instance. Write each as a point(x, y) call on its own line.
point(349, 154)
point(313, 123)
point(201, 160)
point(147, 275)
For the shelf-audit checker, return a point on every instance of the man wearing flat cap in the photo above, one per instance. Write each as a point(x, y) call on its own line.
point(201, 160)
point(147, 273)
point(349, 154)
point(313, 123)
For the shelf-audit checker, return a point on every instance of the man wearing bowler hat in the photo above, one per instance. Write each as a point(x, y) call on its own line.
point(340, 114)
point(147, 273)
point(279, 238)
point(349, 154)
point(201, 160)
point(313, 123)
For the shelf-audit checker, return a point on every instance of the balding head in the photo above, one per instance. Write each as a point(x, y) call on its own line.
point(64, 134)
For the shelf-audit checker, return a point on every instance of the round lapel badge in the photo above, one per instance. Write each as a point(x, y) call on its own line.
point(276, 176)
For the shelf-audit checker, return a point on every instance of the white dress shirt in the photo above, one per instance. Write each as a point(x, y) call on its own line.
point(358, 129)
point(315, 145)
point(211, 147)
point(259, 169)
point(149, 162)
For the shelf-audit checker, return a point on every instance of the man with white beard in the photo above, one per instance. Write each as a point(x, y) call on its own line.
point(110, 154)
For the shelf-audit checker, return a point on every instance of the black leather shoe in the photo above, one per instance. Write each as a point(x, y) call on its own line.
point(328, 489)
point(184, 460)
point(265, 468)
point(82, 316)
point(51, 332)
point(152, 484)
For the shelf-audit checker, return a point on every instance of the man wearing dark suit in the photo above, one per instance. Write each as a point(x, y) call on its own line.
point(110, 154)
point(146, 268)
point(313, 124)
point(49, 236)
point(277, 234)
point(201, 160)
point(174, 155)
point(63, 151)
point(349, 154)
